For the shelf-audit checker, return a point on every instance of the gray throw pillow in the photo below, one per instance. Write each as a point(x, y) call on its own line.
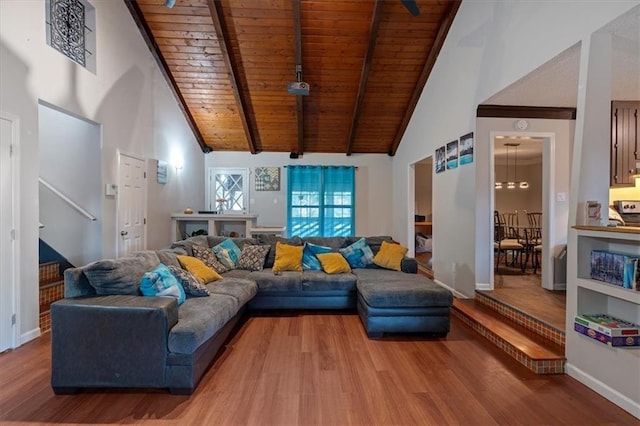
point(209, 258)
point(252, 257)
point(119, 276)
point(189, 282)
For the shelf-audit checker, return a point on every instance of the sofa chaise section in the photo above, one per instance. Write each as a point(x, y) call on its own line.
point(394, 302)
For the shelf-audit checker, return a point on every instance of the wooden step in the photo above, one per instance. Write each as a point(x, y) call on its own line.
point(532, 351)
point(531, 323)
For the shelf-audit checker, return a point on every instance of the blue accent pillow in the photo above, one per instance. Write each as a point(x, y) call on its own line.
point(161, 282)
point(358, 254)
point(309, 259)
point(227, 253)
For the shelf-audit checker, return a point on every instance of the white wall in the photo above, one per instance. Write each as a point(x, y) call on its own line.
point(490, 45)
point(127, 95)
point(529, 199)
point(374, 202)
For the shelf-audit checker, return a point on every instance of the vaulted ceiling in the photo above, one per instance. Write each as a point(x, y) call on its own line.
point(229, 63)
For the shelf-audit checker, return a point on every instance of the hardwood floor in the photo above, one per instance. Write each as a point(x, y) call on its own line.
point(310, 368)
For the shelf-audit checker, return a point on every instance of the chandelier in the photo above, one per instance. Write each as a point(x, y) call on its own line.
point(515, 183)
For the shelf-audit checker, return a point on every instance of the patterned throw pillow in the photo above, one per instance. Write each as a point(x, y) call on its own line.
point(252, 257)
point(189, 282)
point(209, 258)
point(358, 254)
point(161, 282)
point(227, 253)
point(309, 259)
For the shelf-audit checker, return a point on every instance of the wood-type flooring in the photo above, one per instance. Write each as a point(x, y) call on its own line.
point(320, 368)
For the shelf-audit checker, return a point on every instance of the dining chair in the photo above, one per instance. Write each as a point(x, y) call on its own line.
point(535, 238)
point(504, 245)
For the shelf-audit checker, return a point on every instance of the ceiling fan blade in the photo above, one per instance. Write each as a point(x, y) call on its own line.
point(411, 6)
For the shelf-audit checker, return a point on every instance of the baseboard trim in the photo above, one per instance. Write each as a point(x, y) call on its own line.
point(604, 390)
point(455, 292)
point(29, 336)
point(484, 286)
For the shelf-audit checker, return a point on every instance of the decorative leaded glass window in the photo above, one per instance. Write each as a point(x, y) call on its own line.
point(70, 26)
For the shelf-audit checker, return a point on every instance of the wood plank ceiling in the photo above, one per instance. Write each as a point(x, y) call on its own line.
point(229, 62)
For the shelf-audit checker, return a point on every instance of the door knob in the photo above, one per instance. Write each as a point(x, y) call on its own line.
point(123, 233)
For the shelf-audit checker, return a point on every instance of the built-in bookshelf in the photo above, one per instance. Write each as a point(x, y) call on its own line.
point(603, 367)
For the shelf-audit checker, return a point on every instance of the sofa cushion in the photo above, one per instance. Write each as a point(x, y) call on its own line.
point(168, 257)
point(236, 273)
point(214, 240)
point(358, 254)
point(252, 257)
point(197, 267)
point(309, 259)
point(187, 245)
point(334, 263)
point(390, 256)
point(162, 282)
point(199, 318)
point(267, 280)
point(240, 289)
point(192, 286)
point(391, 289)
point(288, 258)
point(120, 276)
point(334, 242)
point(272, 240)
point(209, 258)
point(319, 281)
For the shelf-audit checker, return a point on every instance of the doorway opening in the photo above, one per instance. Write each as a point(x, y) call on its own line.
point(522, 204)
point(423, 195)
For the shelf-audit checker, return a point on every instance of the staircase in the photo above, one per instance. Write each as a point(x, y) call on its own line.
point(533, 343)
point(51, 289)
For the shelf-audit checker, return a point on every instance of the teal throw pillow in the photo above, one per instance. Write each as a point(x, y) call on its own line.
point(161, 282)
point(309, 259)
point(227, 253)
point(358, 254)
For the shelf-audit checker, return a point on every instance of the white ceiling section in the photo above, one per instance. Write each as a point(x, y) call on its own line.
point(555, 83)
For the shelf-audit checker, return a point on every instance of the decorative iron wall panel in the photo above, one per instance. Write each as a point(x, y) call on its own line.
point(67, 29)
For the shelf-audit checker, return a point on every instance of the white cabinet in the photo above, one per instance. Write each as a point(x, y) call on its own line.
point(240, 225)
point(614, 372)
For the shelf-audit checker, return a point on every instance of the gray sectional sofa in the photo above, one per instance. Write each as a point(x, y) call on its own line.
point(105, 334)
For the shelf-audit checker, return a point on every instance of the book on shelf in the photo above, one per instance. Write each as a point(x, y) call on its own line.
point(615, 268)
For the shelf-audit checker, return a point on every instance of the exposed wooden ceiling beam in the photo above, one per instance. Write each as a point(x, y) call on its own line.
point(364, 74)
point(297, 30)
point(424, 75)
point(147, 35)
point(217, 15)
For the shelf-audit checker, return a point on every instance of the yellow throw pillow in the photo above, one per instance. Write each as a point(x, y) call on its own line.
point(288, 258)
point(333, 263)
point(197, 267)
point(390, 256)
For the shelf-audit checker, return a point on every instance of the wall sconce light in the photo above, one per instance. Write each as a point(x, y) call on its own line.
point(177, 160)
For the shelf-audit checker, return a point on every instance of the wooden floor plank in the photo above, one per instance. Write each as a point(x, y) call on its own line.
point(309, 368)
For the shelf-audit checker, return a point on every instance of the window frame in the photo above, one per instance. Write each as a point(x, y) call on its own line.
point(211, 188)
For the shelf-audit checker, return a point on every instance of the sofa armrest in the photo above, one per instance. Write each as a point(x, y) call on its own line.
point(409, 265)
point(110, 341)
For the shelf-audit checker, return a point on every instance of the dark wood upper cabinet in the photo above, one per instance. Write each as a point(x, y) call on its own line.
point(624, 142)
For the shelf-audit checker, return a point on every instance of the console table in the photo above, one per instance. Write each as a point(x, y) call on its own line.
point(182, 225)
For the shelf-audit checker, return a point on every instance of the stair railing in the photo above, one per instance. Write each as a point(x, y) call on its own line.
point(67, 200)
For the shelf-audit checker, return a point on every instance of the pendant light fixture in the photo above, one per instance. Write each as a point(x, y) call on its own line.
point(515, 183)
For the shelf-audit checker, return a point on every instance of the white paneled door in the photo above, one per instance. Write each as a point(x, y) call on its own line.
point(132, 204)
point(7, 238)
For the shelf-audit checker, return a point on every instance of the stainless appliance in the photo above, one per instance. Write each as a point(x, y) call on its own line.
point(629, 211)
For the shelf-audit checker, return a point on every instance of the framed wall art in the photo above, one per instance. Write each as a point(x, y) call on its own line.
point(267, 178)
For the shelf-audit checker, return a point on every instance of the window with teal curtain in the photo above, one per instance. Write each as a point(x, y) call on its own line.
point(321, 201)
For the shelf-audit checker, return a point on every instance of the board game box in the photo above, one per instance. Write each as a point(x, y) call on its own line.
point(608, 330)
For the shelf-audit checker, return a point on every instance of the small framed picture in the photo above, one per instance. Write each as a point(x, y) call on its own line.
point(440, 160)
point(162, 172)
point(452, 155)
point(466, 149)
